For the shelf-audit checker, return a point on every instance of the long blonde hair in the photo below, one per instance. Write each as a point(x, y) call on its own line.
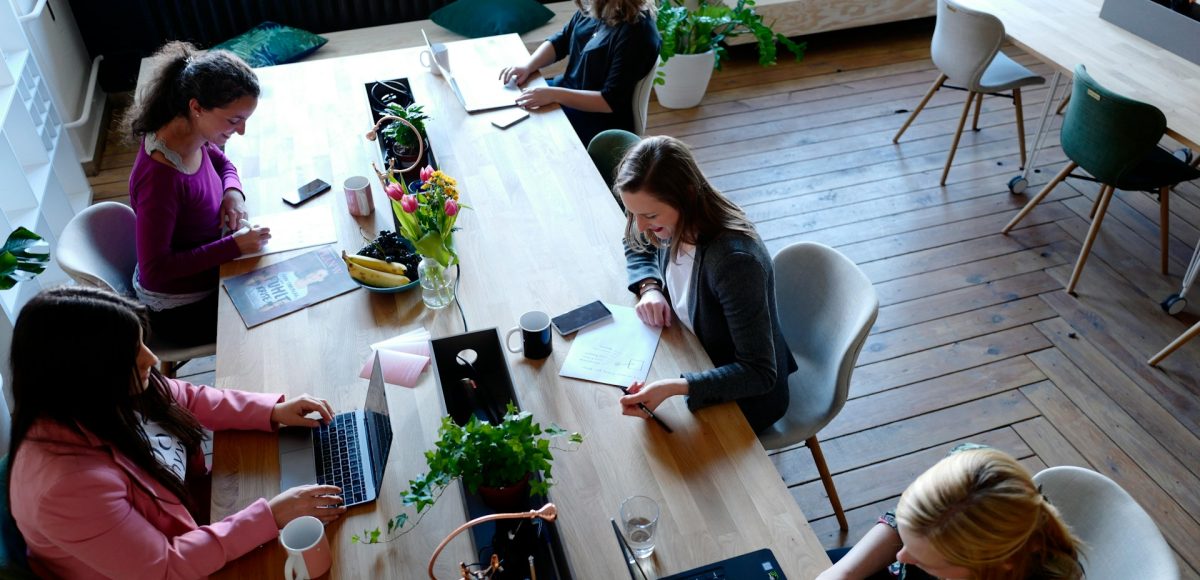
point(663, 167)
point(981, 510)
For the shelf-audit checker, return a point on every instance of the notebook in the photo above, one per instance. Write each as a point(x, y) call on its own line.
point(477, 82)
point(760, 564)
point(350, 452)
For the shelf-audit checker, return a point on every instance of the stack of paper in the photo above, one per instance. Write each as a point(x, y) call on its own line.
point(615, 352)
point(403, 358)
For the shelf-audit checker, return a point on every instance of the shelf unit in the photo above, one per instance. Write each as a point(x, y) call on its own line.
point(43, 185)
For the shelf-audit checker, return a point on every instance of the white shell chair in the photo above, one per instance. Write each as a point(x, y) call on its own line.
point(641, 101)
point(966, 49)
point(826, 308)
point(1120, 540)
point(97, 248)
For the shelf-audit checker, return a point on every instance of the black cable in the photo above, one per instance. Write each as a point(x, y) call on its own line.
point(457, 301)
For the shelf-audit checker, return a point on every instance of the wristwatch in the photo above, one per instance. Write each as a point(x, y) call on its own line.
point(651, 283)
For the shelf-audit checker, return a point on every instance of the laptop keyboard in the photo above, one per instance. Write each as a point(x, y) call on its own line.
point(338, 458)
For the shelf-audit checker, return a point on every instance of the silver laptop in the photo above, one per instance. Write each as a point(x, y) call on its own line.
point(350, 452)
point(477, 84)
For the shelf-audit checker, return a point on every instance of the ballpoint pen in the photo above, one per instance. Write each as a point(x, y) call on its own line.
point(647, 411)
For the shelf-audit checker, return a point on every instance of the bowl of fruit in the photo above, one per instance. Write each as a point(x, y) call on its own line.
point(388, 264)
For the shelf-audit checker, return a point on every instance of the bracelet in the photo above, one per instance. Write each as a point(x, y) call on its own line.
point(651, 283)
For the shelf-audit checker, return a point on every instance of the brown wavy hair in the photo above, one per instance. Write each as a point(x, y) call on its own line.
point(663, 167)
point(614, 12)
point(214, 78)
point(981, 510)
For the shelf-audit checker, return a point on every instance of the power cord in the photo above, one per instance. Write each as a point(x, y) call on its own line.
point(457, 301)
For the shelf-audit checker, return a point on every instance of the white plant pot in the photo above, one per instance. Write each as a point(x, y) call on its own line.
point(686, 77)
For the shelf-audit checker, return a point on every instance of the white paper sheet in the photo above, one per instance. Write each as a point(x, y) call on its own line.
point(294, 229)
point(616, 352)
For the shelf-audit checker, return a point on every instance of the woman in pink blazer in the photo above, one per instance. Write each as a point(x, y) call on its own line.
point(101, 457)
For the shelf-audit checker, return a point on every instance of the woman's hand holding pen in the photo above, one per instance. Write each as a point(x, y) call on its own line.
point(651, 395)
point(249, 238)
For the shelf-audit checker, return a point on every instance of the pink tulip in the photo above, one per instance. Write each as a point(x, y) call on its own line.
point(395, 191)
point(408, 203)
point(426, 172)
point(451, 208)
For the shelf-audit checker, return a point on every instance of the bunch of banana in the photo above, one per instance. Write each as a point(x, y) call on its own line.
point(375, 272)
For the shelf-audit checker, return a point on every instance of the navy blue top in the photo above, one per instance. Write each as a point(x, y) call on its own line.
point(609, 59)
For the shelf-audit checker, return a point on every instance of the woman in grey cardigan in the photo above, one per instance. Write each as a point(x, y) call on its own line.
point(691, 252)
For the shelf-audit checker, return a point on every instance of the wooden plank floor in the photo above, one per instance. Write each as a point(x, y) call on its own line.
point(976, 339)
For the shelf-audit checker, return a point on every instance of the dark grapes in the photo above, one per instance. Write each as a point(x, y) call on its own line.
point(393, 248)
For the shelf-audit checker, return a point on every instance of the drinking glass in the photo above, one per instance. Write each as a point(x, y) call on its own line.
point(639, 517)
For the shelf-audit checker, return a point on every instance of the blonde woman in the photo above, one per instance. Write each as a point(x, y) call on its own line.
point(974, 515)
point(611, 45)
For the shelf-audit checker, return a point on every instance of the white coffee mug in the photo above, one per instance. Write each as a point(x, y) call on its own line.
point(307, 548)
point(428, 62)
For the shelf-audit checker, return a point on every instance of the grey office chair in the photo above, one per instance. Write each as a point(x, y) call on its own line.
point(1120, 540)
point(966, 49)
point(606, 150)
point(97, 248)
point(826, 308)
point(641, 100)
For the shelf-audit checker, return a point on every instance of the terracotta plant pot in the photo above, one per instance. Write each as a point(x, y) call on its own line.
point(510, 498)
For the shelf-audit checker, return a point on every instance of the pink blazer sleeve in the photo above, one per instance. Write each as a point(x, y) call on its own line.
point(90, 516)
point(221, 409)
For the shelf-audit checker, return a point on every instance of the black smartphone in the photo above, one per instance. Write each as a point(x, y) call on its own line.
point(306, 192)
point(581, 317)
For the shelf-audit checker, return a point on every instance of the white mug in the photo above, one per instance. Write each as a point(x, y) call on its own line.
point(427, 61)
point(307, 548)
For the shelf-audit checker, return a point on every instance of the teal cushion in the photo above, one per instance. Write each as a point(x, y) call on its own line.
point(270, 43)
point(479, 18)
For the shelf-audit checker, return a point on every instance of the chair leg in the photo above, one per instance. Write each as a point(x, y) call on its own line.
point(1164, 225)
point(827, 480)
point(957, 135)
point(1020, 123)
point(1106, 193)
point(978, 105)
point(1062, 106)
point(933, 89)
point(1095, 204)
point(1039, 197)
point(1188, 334)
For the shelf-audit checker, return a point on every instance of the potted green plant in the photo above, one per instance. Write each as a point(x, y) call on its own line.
point(691, 46)
point(504, 458)
point(403, 145)
point(20, 258)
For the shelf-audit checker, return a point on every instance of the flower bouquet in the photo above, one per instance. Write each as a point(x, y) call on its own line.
point(425, 213)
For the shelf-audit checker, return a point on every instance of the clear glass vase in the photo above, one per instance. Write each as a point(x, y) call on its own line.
point(437, 289)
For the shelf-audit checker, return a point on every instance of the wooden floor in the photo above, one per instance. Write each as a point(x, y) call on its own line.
point(976, 339)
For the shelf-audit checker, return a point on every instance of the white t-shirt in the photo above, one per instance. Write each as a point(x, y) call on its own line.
point(168, 449)
point(679, 282)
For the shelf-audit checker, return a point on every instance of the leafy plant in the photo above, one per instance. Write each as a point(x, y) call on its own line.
point(398, 132)
point(17, 263)
point(697, 31)
point(479, 454)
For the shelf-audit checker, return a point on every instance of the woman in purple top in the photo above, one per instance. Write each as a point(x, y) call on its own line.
point(191, 213)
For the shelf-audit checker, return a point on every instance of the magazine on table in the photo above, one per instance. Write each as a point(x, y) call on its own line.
point(285, 287)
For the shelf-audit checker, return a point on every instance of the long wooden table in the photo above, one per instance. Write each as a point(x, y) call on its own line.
point(543, 233)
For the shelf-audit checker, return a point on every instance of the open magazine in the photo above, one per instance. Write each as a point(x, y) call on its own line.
point(287, 286)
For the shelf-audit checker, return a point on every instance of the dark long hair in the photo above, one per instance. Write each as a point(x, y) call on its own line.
point(182, 73)
point(98, 332)
point(663, 167)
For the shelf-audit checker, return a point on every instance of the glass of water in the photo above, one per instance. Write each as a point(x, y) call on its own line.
point(639, 517)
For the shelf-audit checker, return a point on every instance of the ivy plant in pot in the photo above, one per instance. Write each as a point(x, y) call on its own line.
point(691, 46)
point(499, 462)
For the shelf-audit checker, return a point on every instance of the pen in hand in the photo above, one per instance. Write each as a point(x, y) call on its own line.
point(648, 412)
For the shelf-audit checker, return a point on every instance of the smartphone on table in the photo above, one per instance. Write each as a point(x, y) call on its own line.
point(306, 192)
point(581, 317)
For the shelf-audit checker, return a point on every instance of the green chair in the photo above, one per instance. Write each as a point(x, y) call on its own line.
point(13, 563)
point(1115, 140)
point(606, 150)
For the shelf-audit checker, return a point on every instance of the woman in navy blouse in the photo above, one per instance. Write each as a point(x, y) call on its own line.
point(610, 45)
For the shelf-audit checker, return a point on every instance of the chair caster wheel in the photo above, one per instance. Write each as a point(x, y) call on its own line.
point(1174, 304)
point(1017, 185)
point(1183, 154)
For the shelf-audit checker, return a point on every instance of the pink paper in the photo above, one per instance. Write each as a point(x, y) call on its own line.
point(404, 344)
point(399, 368)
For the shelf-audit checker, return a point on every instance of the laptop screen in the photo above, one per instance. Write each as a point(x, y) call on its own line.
point(379, 424)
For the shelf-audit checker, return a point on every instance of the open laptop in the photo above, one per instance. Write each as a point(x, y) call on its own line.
point(477, 85)
point(759, 564)
point(349, 452)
